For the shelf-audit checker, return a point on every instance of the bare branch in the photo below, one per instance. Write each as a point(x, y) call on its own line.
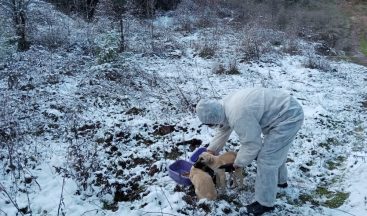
point(61, 196)
point(2, 188)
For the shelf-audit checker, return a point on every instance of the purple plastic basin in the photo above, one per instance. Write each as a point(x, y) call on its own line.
point(194, 157)
point(177, 170)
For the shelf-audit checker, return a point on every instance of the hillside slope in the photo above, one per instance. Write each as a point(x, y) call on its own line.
point(81, 136)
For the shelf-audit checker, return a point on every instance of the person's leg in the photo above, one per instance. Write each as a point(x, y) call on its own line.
point(266, 184)
point(270, 160)
point(282, 174)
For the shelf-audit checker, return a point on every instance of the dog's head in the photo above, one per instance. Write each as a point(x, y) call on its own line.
point(200, 165)
point(206, 158)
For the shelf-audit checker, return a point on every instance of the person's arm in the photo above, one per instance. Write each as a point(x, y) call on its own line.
point(219, 139)
point(249, 132)
point(211, 152)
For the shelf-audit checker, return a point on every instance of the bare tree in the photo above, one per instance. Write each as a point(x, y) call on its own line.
point(120, 8)
point(90, 7)
point(118, 11)
point(17, 10)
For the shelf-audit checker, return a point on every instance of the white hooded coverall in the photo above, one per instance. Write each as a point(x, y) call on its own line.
point(250, 113)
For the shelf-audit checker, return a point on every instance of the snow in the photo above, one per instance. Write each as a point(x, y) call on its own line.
point(356, 184)
point(335, 125)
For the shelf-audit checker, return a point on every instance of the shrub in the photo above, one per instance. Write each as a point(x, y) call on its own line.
point(7, 43)
point(207, 52)
point(252, 49)
point(292, 47)
point(85, 8)
point(184, 24)
point(233, 69)
point(6, 47)
point(317, 62)
point(52, 38)
point(219, 69)
point(107, 46)
point(256, 43)
point(204, 22)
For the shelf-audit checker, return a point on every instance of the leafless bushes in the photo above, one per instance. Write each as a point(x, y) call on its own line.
point(17, 157)
point(53, 35)
point(194, 15)
point(82, 155)
point(314, 20)
point(7, 46)
point(321, 21)
point(231, 69)
point(292, 46)
point(314, 61)
point(258, 42)
point(207, 52)
point(86, 8)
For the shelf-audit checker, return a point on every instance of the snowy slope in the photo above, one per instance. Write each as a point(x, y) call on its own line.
point(93, 131)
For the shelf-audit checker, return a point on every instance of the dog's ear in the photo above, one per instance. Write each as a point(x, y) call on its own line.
point(199, 164)
point(200, 159)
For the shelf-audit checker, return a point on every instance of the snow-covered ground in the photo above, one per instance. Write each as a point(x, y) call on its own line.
point(97, 139)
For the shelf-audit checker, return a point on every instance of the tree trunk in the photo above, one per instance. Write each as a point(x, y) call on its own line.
point(23, 43)
point(122, 36)
point(90, 8)
point(20, 21)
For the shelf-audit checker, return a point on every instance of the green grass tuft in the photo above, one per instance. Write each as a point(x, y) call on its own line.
point(307, 198)
point(335, 163)
point(322, 196)
point(337, 201)
point(321, 191)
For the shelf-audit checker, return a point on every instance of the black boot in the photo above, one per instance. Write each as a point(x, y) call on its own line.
point(256, 209)
point(284, 185)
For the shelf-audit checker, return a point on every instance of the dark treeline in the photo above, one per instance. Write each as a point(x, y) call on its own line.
point(86, 8)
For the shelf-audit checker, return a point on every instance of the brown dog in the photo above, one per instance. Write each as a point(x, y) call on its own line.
point(214, 162)
point(203, 183)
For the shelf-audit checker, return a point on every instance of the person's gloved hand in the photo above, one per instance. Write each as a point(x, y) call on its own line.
point(228, 167)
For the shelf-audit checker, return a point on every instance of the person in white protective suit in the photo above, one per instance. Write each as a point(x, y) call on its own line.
point(250, 113)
